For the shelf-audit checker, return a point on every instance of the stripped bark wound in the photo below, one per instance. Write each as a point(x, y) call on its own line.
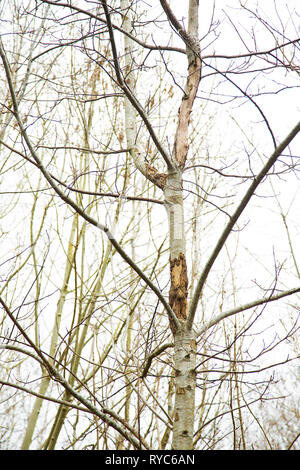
point(159, 179)
point(184, 114)
point(178, 290)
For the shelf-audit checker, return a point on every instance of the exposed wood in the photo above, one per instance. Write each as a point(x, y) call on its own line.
point(159, 179)
point(184, 114)
point(191, 40)
point(179, 285)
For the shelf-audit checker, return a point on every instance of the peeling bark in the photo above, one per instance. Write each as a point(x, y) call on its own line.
point(178, 267)
point(153, 175)
point(159, 179)
point(193, 52)
point(179, 285)
point(184, 114)
point(185, 344)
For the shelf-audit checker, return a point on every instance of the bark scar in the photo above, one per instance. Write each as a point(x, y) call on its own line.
point(179, 285)
point(157, 178)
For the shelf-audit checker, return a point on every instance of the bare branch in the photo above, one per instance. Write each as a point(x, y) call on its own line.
point(242, 308)
point(152, 47)
point(70, 202)
point(154, 354)
point(133, 100)
point(191, 42)
point(127, 433)
point(234, 218)
point(250, 54)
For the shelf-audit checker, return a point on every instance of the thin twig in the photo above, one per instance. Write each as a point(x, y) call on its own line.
point(133, 100)
point(71, 203)
point(242, 308)
point(234, 218)
point(154, 354)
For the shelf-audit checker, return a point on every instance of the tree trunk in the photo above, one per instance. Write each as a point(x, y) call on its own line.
point(185, 344)
point(178, 270)
point(185, 385)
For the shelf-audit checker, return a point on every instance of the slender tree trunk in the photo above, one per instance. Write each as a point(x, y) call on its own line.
point(171, 184)
point(185, 384)
point(32, 421)
point(185, 343)
point(178, 269)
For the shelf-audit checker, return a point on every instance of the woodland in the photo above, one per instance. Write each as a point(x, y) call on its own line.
point(149, 225)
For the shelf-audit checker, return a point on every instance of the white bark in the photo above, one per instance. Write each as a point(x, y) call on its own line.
point(185, 344)
point(130, 112)
point(185, 378)
point(174, 206)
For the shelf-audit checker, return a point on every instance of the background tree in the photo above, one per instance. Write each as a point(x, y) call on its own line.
point(149, 236)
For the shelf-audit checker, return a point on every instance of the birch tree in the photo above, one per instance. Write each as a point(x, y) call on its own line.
point(141, 105)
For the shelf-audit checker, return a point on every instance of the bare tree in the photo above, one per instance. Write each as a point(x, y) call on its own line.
point(137, 140)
